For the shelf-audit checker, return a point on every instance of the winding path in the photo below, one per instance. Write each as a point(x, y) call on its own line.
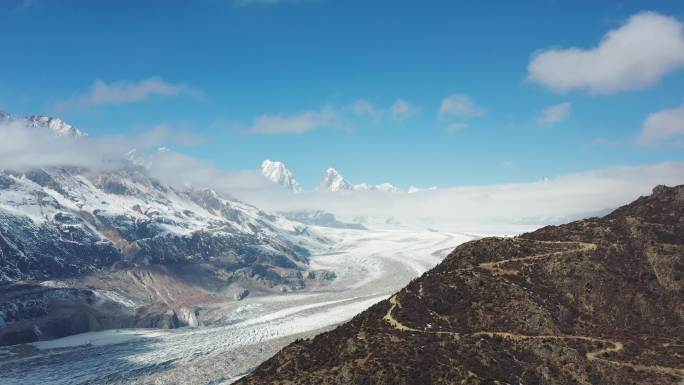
point(495, 268)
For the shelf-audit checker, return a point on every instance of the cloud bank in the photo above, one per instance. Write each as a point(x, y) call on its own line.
point(122, 92)
point(23, 148)
point(340, 117)
point(636, 55)
point(488, 209)
point(295, 124)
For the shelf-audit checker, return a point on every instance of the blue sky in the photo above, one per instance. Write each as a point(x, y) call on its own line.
point(357, 85)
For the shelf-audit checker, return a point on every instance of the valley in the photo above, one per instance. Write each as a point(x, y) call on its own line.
point(326, 192)
point(369, 264)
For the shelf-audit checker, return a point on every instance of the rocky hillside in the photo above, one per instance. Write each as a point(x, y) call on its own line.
point(597, 301)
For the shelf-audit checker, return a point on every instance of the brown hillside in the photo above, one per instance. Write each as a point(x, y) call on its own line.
point(597, 301)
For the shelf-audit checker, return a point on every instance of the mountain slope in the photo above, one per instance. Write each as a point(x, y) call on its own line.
point(597, 301)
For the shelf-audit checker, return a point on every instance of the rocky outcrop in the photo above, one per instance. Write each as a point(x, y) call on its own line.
point(597, 301)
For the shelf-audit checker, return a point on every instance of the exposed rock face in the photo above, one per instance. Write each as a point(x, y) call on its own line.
point(597, 301)
point(32, 312)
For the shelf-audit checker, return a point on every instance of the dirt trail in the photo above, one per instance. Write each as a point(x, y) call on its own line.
point(495, 266)
point(392, 321)
point(595, 355)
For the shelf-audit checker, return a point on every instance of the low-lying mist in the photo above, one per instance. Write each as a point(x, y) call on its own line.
point(490, 209)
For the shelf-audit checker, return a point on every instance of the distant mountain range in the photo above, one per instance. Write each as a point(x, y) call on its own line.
point(332, 181)
point(596, 301)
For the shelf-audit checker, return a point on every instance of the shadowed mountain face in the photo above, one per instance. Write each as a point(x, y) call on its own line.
point(597, 301)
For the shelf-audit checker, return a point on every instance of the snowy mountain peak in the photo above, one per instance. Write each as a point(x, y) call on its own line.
point(278, 173)
point(334, 181)
point(56, 125)
point(413, 189)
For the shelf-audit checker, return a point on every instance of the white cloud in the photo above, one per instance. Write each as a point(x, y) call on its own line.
point(459, 105)
point(664, 127)
point(23, 147)
point(554, 114)
point(122, 92)
point(401, 110)
point(181, 170)
point(507, 163)
point(363, 107)
point(341, 117)
point(636, 55)
point(295, 124)
point(455, 127)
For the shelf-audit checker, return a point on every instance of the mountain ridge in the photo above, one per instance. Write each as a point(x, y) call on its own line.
point(332, 181)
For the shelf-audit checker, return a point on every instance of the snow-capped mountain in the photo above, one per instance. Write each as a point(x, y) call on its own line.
point(55, 125)
point(60, 221)
point(334, 181)
point(121, 245)
point(58, 126)
point(278, 173)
